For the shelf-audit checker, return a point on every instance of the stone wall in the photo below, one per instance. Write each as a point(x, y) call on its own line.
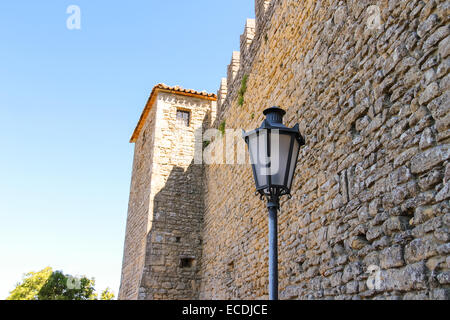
point(163, 238)
point(368, 82)
point(138, 211)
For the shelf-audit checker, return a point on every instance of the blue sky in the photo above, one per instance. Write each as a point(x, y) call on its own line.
point(69, 101)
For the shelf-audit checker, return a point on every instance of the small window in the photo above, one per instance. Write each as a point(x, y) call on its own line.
point(186, 262)
point(183, 117)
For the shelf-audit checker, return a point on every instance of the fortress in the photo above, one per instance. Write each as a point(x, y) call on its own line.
point(368, 82)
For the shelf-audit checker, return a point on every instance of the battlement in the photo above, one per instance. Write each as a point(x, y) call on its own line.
point(261, 7)
point(233, 68)
point(243, 59)
point(247, 38)
point(222, 92)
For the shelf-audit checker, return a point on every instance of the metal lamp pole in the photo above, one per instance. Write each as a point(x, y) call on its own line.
point(273, 249)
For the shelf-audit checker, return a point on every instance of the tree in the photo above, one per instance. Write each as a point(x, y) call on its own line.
point(65, 287)
point(55, 285)
point(31, 285)
point(107, 294)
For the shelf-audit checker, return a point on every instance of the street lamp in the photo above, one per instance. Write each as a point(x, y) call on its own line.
point(274, 150)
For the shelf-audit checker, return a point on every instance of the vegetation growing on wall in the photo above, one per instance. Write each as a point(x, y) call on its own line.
point(222, 127)
point(242, 90)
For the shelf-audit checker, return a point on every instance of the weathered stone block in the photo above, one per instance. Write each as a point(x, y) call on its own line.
point(395, 224)
point(411, 277)
point(431, 92)
point(428, 159)
point(392, 257)
point(441, 294)
point(444, 193)
point(420, 249)
point(438, 35)
point(444, 47)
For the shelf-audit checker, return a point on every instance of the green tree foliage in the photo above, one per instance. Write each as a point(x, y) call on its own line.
point(30, 286)
point(55, 285)
point(65, 287)
point(107, 294)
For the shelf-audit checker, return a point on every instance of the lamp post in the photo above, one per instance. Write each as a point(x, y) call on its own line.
point(274, 150)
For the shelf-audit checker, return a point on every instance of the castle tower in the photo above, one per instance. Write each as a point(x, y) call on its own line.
point(163, 242)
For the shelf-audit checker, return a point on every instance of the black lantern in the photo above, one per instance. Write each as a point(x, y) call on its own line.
point(274, 150)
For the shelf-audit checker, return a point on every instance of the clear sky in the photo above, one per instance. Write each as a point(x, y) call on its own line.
point(69, 101)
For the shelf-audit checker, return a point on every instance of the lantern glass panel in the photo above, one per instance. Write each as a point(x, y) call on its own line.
point(280, 144)
point(294, 158)
point(258, 156)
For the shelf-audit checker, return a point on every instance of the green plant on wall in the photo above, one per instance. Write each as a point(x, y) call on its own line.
point(222, 128)
point(242, 90)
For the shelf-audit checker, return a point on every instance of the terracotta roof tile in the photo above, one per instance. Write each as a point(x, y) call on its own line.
point(161, 87)
point(180, 89)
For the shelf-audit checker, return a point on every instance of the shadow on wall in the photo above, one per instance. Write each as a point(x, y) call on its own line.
point(173, 250)
point(174, 242)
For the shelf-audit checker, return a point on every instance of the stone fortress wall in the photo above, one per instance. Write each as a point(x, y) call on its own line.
point(368, 83)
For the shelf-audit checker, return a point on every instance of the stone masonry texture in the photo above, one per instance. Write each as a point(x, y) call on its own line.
point(368, 82)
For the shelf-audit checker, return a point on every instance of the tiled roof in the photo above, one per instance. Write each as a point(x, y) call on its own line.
point(165, 88)
point(180, 89)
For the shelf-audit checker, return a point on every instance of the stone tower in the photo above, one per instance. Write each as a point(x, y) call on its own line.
point(162, 244)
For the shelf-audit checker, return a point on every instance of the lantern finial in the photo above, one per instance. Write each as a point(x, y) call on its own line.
point(274, 115)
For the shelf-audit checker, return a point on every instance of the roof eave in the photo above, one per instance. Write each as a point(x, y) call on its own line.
point(151, 100)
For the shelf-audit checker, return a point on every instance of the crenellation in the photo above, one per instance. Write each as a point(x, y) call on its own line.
point(246, 39)
point(245, 65)
point(261, 7)
point(222, 93)
point(233, 68)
